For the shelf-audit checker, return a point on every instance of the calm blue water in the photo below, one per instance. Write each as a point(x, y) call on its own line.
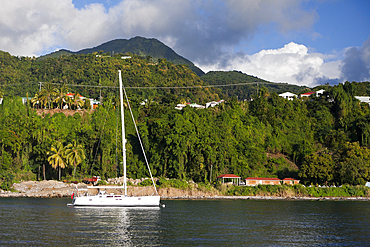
point(40, 222)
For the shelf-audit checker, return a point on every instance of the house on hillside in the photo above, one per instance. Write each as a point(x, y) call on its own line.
point(180, 106)
point(290, 181)
point(209, 104)
point(195, 105)
point(25, 99)
point(288, 95)
point(308, 94)
point(363, 99)
point(320, 92)
point(93, 103)
point(214, 103)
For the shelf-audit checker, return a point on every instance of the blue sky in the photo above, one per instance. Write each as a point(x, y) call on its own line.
point(304, 42)
point(338, 24)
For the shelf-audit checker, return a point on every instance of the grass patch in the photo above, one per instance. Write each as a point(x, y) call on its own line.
point(174, 183)
point(297, 191)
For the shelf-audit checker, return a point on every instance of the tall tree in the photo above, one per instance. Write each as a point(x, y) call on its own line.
point(317, 168)
point(48, 93)
point(57, 158)
point(77, 101)
point(75, 154)
point(354, 164)
point(61, 95)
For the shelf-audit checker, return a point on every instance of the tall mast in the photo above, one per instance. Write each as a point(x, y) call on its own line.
point(123, 131)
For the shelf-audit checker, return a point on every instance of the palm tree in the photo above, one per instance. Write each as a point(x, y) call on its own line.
point(48, 93)
point(61, 95)
point(69, 102)
point(75, 154)
point(77, 101)
point(57, 158)
point(36, 100)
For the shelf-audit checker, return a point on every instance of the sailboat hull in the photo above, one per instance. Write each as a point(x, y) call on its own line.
point(116, 201)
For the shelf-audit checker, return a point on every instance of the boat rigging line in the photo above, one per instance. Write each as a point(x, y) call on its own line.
point(139, 138)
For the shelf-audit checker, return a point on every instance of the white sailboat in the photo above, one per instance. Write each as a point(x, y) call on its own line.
point(103, 199)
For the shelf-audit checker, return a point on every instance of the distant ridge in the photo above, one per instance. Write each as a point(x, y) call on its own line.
point(245, 91)
point(137, 45)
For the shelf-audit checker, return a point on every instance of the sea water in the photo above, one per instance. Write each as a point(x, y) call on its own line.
point(49, 222)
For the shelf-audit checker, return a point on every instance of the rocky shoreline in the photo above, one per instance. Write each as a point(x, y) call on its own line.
point(55, 189)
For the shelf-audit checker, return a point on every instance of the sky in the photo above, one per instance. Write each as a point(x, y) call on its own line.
point(302, 42)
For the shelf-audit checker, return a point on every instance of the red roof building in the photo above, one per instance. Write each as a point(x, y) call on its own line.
point(307, 94)
point(290, 181)
point(262, 181)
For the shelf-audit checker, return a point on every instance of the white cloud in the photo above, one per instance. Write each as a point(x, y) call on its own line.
point(292, 63)
point(28, 27)
point(356, 63)
point(199, 29)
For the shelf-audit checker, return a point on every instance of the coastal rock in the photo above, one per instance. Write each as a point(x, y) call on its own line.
point(46, 188)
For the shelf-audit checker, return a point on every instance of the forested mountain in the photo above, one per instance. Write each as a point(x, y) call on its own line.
point(138, 46)
point(245, 91)
point(19, 76)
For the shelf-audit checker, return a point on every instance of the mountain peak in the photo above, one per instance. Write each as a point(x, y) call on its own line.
point(136, 45)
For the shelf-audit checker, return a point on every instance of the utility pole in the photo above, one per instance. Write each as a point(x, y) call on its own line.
point(40, 86)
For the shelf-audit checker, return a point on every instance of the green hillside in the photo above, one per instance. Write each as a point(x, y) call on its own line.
point(19, 76)
point(245, 91)
point(138, 46)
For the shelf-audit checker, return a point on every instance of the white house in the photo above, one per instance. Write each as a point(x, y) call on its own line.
point(288, 95)
point(363, 99)
point(180, 106)
point(195, 105)
point(214, 103)
point(318, 93)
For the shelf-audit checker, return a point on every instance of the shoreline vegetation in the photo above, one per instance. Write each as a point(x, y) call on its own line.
point(178, 189)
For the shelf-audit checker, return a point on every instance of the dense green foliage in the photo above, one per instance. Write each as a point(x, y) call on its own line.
point(320, 140)
point(85, 73)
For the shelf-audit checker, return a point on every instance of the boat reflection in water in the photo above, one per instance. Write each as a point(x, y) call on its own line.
point(120, 226)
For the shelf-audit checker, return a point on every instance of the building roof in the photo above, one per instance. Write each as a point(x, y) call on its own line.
point(307, 94)
point(290, 179)
point(275, 179)
point(287, 94)
point(228, 176)
point(365, 99)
